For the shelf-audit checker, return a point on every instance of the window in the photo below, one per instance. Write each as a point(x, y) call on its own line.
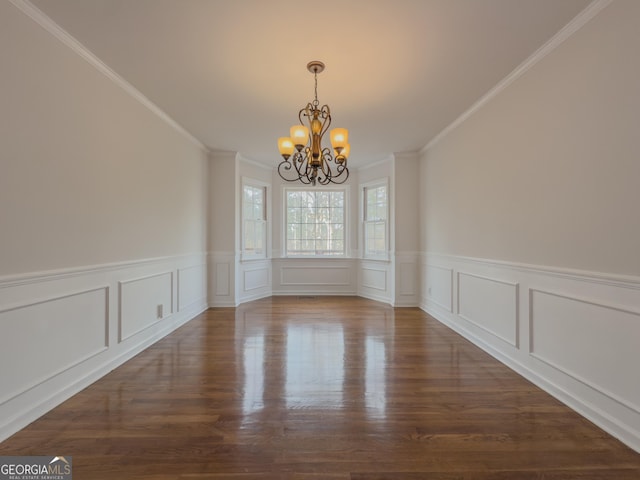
point(254, 221)
point(375, 216)
point(315, 222)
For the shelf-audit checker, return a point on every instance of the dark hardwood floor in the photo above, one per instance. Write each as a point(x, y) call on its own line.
point(320, 388)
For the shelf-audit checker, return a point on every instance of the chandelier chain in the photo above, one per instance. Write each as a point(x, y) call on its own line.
point(316, 102)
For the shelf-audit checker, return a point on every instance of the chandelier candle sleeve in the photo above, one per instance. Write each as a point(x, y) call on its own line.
point(339, 137)
point(285, 145)
point(299, 136)
point(305, 159)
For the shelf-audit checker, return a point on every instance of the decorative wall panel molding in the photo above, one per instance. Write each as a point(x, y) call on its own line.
point(292, 276)
point(143, 302)
point(316, 275)
point(408, 278)
point(563, 330)
point(256, 278)
point(439, 286)
point(375, 278)
point(222, 277)
point(489, 304)
point(75, 317)
point(192, 282)
point(43, 338)
point(573, 333)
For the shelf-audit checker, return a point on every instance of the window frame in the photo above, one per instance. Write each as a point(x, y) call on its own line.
point(345, 221)
point(364, 188)
point(256, 184)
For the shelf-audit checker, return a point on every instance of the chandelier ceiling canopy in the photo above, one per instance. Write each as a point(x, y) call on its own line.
point(305, 159)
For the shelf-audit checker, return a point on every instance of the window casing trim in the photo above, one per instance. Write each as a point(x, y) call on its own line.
point(364, 187)
point(266, 222)
point(346, 228)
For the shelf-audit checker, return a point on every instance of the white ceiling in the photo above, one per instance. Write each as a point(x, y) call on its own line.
point(233, 72)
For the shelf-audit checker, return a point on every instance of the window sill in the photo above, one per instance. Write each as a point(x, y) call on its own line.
point(384, 259)
point(253, 259)
point(306, 257)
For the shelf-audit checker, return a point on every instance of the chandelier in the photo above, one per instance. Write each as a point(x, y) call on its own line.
point(303, 149)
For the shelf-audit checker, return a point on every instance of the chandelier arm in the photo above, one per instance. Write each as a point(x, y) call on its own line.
point(326, 161)
point(297, 164)
point(340, 182)
point(302, 167)
point(305, 112)
point(341, 168)
point(286, 165)
point(325, 167)
point(325, 113)
point(337, 178)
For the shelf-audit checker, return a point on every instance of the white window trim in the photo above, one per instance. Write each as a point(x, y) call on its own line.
point(250, 182)
point(382, 182)
point(347, 235)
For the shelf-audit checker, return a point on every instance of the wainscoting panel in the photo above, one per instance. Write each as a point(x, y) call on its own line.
point(221, 274)
point(41, 339)
point(192, 282)
point(408, 273)
point(292, 276)
point(439, 286)
point(588, 341)
point(575, 334)
point(407, 279)
point(375, 278)
point(314, 276)
point(256, 280)
point(489, 304)
point(143, 302)
point(62, 330)
point(223, 279)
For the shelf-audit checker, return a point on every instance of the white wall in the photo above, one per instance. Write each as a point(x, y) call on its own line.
point(222, 228)
point(529, 232)
point(406, 234)
point(102, 213)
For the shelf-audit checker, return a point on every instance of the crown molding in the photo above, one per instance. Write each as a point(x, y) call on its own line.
point(580, 20)
point(241, 158)
point(37, 15)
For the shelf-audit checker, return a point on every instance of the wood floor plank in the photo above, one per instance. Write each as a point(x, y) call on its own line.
point(329, 388)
